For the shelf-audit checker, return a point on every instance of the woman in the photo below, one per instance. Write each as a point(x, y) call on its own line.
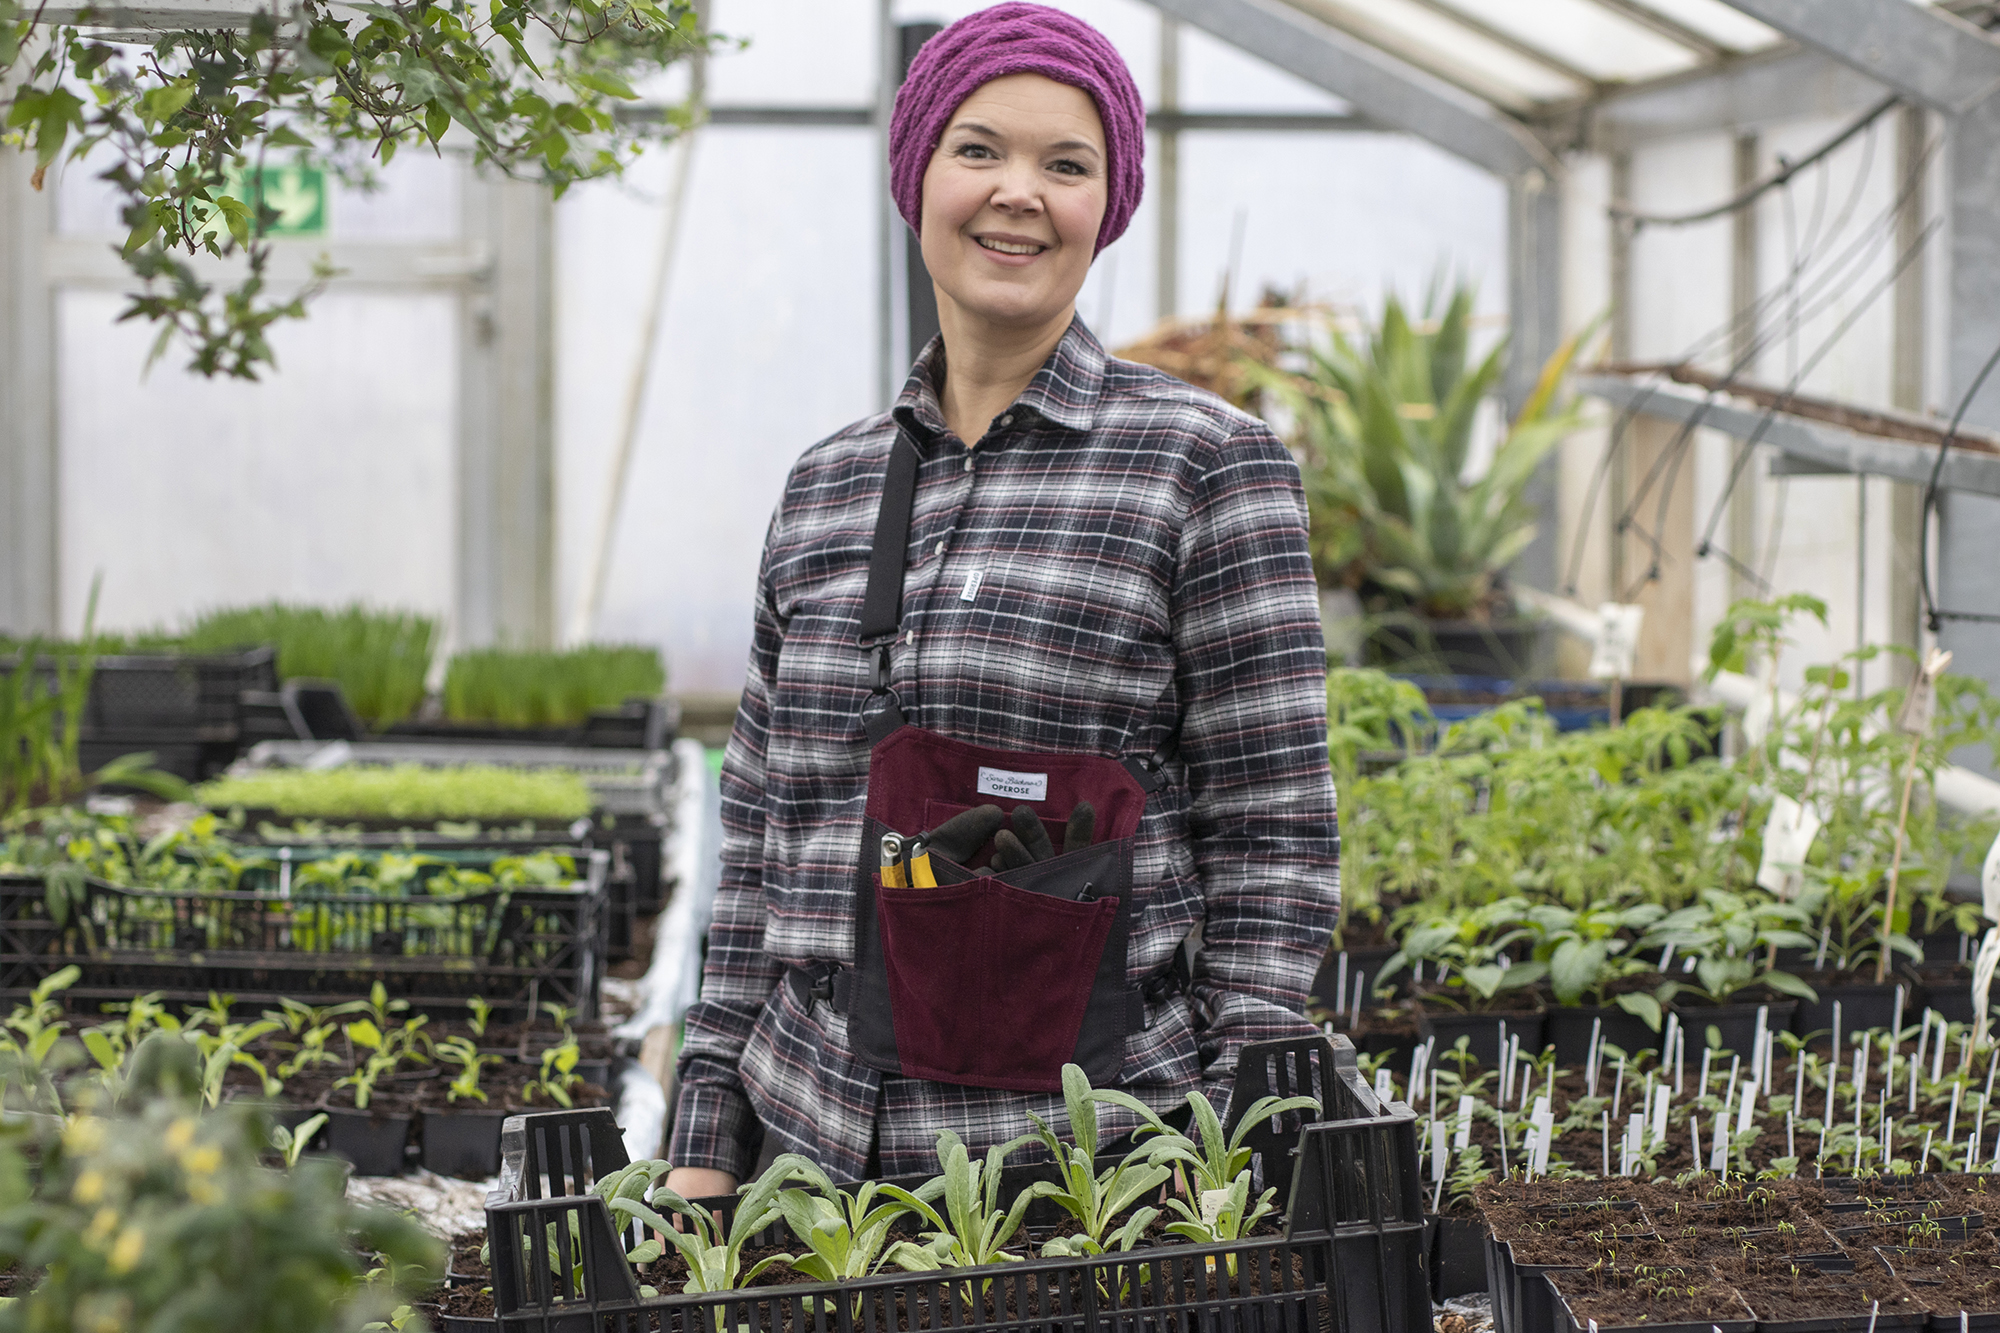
point(1101, 562)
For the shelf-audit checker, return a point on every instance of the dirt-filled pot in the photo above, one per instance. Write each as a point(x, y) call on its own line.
point(373, 1141)
point(1735, 1024)
point(1863, 1005)
point(465, 1144)
point(1946, 988)
point(1482, 1033)
point(1568, 1027)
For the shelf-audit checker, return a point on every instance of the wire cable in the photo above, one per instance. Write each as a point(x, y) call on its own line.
point(1933, 614)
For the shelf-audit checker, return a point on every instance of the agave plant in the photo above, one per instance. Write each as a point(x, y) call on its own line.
point(1385, 433)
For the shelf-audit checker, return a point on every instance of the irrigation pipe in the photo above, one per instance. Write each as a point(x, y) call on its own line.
point(1959, 789)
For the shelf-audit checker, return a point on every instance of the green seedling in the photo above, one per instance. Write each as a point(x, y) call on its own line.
point(1223, 1216)
point(974, 1229)
point(1097, 1200)
point(461, 1052)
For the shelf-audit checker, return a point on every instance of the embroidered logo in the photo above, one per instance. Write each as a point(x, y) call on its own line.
point(1017, 786)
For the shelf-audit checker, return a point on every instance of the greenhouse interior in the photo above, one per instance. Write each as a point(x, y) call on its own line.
point(1362, 617)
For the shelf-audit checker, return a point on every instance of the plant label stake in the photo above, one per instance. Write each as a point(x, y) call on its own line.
point(1799, 1082)
point(1836, 1038)
point(1924, 1163)
point(1788, 838)
point(1694, 1136)
point(1591, 1056)
point(1916, 1076)
point(1340, 976)
point(1604, 1145)
point(1705, 1054)
point(1791, 1147)
point(1951, 1121)
point(1618, 1086)
point(1937, 1058)
point(1758, 1036)
point(1462, 1134)
point(1746, 1106)
point(1440, 1158)
point(1661, 1101)
point(1924, 1036)
point(1915, 719)
point(1635, 1135)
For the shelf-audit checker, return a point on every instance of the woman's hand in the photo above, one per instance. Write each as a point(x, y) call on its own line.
point(699, 1182)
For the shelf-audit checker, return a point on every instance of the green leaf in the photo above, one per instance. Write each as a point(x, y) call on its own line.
point(1641, 1006)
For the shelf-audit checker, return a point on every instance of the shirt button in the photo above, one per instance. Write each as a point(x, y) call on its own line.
point(910, 638)
point(940, 548)
point(968, 462)
point(1007, 420)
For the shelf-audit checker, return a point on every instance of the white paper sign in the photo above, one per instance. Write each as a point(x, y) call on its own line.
point(1763, 705)
point(1788, 836)
point(1921, 701)
point(1617, 640)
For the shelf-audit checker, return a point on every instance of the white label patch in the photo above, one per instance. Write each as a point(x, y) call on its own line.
point(1019, 786)
point(972, 582)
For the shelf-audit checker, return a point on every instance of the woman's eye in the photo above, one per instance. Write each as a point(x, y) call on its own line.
point(972, 150)
point(1070, 167)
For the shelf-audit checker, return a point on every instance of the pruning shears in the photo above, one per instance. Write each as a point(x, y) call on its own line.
point(906, 862)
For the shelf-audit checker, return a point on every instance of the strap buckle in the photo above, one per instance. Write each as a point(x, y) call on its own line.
point(815, 981)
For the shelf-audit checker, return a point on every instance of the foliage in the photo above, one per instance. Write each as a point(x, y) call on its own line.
point(518, 688)
point(161, 1217)
point(846, 1235)
point(1731, 937)
point(974, 1228)
point(186, 128)
point(1224, 1214)
point(379, 657)
point(1589, 950)
point(1371, 711)
point(1470, 948)
point(1385, 435)
point(714, 1256)
point(1098, 1200)
point(405, 792)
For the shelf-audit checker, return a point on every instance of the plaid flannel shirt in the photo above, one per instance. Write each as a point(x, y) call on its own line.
point(1121, 558)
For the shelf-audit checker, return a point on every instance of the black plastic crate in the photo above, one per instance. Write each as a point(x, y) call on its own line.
point(183, 709)
point(514, 948)
point(558, 1261)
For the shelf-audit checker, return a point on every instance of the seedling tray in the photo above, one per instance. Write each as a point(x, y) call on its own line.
point(1353, 1259)
point(514, 947)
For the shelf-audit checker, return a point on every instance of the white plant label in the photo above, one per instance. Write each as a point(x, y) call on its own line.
point(1015, 786)
point(1989, 881)
point(1921, 701)
point(1617, 640)
point(1982, 980)
point(1461, 1138)
point(1763, 705)
point(1212, 1204)
point(1788, 836)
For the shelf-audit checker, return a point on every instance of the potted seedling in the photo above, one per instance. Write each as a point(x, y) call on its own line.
point(1730, 938)
point(374, 1132)
point(1601, 983)
point(1474, 984)
point(463, 1140)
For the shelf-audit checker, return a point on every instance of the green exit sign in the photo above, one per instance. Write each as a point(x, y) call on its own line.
point(296, 194)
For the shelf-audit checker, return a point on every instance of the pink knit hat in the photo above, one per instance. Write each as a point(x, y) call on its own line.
point(1018, 38)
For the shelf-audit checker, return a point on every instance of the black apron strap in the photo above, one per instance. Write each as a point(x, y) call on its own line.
point(882, 607)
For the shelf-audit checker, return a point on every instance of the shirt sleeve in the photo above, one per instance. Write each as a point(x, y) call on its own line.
point(714, 1125)
point(1251, 671)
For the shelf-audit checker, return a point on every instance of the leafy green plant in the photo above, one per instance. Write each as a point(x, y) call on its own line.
point(1385, 434)
point(1731, 937)
point(379, 657)
point(164, 1217)
point(714, 1256)
point(1097, 1200)
point(1472, 945)
point(524, 688)
point(1590, 950)
point(405, 792)
point(846, 1235)
point(191, 124)
point(974, 1228)
point(1214, 1158)
point(558, 1074)
point(461, 1052)
point(1223, 1215)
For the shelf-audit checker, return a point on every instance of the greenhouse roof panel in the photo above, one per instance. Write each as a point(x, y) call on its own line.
point(1731, 29)
point(1600, 42)
point(1433, 38)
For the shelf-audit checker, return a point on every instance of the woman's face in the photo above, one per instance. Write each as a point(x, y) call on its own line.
point(1013, 199)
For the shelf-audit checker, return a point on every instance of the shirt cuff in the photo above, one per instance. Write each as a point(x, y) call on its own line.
point(714, 1127)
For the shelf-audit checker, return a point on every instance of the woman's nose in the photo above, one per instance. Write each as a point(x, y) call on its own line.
point(1019, 188)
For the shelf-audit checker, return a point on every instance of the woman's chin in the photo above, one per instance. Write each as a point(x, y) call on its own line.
point(1015, 312)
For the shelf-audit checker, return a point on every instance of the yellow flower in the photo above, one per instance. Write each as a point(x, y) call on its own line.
point(85, 1134)
point(202, 1161)
point(128, 1249)
point(180, 1134)
point(90, 1187)
point(101, 1226)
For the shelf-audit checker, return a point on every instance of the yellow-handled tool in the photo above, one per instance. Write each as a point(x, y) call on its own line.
point(892, 852)
point(921, 876)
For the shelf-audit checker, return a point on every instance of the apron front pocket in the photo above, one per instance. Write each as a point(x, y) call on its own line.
point(988, 983)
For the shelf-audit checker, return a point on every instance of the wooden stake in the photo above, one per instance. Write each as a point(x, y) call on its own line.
point(1896, 861)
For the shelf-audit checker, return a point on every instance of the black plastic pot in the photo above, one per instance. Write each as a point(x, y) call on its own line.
point(465, 1144)
point(1567, 1321)
point(1567, 1028)
point(1863, 1005)
point(1735, 1024)
point(1458, 1256)
point(1500, 648)
point(1362, 965)
point(374, 1142)
point(1482, 1033)
point(1947, 988)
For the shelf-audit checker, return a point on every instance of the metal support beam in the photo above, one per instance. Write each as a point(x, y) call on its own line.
point(1534, 330)
point(1167, 176)
point(506, 462)
point(1924, 53)
point(1392, 91)
point(27, 390)
point(1829, 447)
point(1755, 90)
point(1968, 532)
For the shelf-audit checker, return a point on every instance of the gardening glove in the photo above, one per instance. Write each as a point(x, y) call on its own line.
point(1028, 841)
point(960, 837)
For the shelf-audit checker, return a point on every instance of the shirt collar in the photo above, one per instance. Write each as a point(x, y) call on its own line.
point(1064, 391)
